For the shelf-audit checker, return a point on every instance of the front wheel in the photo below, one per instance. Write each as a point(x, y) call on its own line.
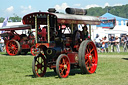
point(63, 66)
point(88, 56)
point(39, 65)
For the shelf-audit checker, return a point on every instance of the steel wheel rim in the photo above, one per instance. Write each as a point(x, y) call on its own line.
point(40, 66)
point(91, 57)
point(64, 67)
point(12, 48)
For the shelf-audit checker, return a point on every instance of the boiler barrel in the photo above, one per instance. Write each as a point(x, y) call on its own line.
point(76, 11)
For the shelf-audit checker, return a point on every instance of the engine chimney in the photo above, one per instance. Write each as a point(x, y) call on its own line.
point(52, 10)
point(76, 11)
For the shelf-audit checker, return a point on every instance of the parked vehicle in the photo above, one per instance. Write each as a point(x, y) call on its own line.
point(18, 43)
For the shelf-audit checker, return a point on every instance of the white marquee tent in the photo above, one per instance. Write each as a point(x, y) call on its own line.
point(119, 29)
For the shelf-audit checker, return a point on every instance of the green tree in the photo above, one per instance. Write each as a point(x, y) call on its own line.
point(1, 19)
point(15, 18)
point(120, 11)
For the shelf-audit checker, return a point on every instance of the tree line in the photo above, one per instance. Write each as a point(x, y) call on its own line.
point(14, 18)
point(120, 11)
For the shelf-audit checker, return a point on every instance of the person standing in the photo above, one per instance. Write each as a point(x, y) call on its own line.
point(97, 41)
point(117, 44)
point(1, 44)
point(106, 44)
point(124, 41)
point(103, 45)
point(127, 40)
point(85, 32)
point(112, 43)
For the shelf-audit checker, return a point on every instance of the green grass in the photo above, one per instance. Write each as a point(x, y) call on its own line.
point(17, 70)
point(114, 53)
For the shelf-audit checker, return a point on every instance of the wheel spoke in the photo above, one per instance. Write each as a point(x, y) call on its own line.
point(8, 48)
point(63, 61)
point(13, 52)
point(86, 62)
point(42, 61)
point(86, 56)
point(15, 49)
point(87, 50)
point(88, 68)
point(91, 50)
point(10, 44)
point(93, 60)
point(62, 71)
point(90, 65)
point(67, 63)
point(61, 66)
point(91, 68)
point(41, 68)
point(37, 61)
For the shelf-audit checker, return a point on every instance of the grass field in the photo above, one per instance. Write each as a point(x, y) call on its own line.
point(112, 70)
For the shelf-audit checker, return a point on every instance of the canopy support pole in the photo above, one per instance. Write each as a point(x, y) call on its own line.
point(48, 28)
point(36, 27)
point(72, 28)
point(90, 31)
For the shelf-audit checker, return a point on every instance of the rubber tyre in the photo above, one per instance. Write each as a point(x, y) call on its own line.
point(89, 57)
point(79, 53)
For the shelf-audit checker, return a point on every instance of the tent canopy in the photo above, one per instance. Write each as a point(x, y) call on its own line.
point(109, 20)
point(111, 16)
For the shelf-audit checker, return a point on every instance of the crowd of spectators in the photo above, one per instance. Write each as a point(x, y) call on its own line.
point(112, 42)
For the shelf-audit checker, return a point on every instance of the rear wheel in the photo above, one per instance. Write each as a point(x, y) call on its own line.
point(89, 57)
point(39, 65)
point(12, 47)
point(63, 66)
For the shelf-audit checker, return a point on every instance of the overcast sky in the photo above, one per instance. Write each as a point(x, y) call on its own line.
point(23, 7)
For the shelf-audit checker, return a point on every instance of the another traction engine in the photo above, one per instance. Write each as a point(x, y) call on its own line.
point(18, 43)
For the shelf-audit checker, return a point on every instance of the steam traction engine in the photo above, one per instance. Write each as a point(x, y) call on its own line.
point(62, 46)
point(18, 43)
